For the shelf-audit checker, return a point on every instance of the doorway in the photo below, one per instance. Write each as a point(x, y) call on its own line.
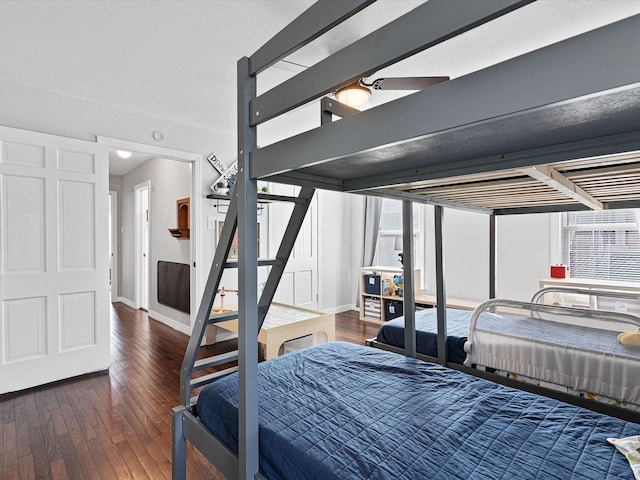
point(195, 255)
point(141, 205)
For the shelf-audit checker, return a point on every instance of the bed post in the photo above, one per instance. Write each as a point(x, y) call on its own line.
point(179, 446)
point(247, 282)
point(492, 256)
point(441, 296)
point(409, 280)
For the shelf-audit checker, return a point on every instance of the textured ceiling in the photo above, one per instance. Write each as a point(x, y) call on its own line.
point(177, 59)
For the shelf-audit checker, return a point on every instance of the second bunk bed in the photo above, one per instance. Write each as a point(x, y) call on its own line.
point(349, 412)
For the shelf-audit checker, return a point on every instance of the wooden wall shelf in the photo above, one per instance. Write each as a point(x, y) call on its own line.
point(182, 208)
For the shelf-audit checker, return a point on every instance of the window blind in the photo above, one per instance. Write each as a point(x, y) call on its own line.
point(603, 245)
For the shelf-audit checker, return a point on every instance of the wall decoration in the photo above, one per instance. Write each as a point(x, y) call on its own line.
point(217, 164)
point(227, 175)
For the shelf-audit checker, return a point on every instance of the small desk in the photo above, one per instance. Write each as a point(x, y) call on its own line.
point(286, 322)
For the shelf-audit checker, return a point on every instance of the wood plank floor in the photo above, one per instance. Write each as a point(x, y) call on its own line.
point(114, 425)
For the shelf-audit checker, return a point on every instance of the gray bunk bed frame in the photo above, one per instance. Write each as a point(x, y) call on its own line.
point(531, 110)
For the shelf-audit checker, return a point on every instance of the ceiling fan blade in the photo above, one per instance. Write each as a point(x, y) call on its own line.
point(405, 83)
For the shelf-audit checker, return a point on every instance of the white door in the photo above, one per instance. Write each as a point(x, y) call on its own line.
point(142, 244)
point(299, 284)
point(54, 265)
point(113, 245)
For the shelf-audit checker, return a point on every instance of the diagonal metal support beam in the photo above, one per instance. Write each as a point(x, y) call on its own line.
point(284, 252)
point(208, 296)
point(554, 179)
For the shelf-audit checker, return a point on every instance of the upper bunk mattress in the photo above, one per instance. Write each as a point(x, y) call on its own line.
point(342, 411)
point(392, 333)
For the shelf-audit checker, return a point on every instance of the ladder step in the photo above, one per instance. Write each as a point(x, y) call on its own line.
point(262, 262)
point(198, 382)
point(216, 360)
point(223, 317)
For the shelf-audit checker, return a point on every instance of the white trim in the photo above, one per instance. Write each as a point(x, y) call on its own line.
point(340, 309)
point(150, 149)
point(197, 236)
point(170, 322)
point(126, 301)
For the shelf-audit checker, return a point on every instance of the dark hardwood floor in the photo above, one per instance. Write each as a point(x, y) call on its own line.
point(113, 425)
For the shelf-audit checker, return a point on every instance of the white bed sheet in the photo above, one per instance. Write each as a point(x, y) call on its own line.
point(578, 357)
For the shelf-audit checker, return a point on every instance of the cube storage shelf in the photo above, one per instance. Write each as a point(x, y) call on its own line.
point(378, 303)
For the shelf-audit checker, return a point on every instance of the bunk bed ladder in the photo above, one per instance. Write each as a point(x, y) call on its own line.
point(204, 318)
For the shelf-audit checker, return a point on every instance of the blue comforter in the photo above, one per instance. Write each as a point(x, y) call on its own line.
point(342, 411)
point(392, 333)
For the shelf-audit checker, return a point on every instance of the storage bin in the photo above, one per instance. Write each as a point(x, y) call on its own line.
point(372, 283)
point(393, 309)
point(372, 308)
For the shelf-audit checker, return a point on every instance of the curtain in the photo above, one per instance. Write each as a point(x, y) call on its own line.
point(372, 211)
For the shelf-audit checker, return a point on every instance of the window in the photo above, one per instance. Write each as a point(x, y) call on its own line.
point(603, 245)
point(390, 234)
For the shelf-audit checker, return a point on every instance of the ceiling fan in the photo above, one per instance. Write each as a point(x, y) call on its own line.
point(358, 93)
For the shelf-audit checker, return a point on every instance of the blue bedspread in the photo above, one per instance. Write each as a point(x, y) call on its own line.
point(392, 333)
point(341, 411)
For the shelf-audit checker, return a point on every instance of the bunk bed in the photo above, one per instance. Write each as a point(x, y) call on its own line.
point(544, 138)
point(390, 336)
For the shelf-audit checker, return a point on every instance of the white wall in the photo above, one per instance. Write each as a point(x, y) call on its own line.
point(523, 258)
point(525, 252)
point(337, 274)
point(466, 260)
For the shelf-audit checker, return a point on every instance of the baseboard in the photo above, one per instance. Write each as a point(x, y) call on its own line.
point(339, 309)
point(170, 322)
point(127, 302)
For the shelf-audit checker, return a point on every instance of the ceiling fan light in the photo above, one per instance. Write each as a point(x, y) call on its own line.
point(123, 153)
point(353, 95)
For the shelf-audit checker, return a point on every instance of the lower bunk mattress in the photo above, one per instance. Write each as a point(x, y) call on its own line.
point(343, 411)
point(543, 347)
point(392, 333)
